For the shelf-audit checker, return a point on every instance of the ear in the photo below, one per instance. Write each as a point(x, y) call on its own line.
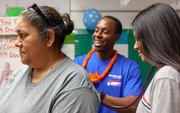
point(117, 37)
point(50, 37)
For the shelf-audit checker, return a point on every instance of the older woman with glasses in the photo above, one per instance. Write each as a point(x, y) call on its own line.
point(50, 82)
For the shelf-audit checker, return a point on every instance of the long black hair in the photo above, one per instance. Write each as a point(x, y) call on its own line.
point(158, 29)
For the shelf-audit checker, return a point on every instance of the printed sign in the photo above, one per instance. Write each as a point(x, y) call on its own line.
point(9, 12)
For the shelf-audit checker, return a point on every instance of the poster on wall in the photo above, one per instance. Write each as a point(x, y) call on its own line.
point(9, 56)
point(9, 53)
point(62, 6)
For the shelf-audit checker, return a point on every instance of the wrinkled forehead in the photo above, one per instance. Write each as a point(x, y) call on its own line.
point(23, 25)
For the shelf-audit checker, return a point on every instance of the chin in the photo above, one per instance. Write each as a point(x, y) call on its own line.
point(97, 48)
point(24, 61)
point(144, 60)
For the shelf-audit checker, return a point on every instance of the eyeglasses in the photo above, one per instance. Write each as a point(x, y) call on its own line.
point(36, 8)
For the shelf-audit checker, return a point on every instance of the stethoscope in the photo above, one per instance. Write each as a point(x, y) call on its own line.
point(139, 96)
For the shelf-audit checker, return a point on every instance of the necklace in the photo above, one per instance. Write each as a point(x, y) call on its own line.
point(95, 77)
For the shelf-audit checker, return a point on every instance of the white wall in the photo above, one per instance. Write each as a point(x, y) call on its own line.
point(111, 7)
point(125, 14)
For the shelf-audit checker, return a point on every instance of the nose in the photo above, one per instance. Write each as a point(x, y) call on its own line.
point(97, 34)
point(18, 42)
point(136, 46)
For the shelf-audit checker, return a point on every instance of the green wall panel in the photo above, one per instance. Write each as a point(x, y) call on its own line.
point(83, 41)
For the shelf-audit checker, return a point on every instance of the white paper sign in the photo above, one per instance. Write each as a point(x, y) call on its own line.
point(9, 54)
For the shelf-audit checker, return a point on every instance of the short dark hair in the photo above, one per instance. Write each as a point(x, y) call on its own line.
point(158, 29)
point(118, 24)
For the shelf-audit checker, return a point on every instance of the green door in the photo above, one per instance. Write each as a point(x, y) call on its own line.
point(82, 41)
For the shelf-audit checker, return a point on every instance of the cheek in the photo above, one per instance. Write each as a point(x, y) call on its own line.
point(32, 54)
point(110, 40)
point(32, 49)
point(93, 36)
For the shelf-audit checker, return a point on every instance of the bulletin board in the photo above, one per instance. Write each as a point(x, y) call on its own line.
point(9, 53)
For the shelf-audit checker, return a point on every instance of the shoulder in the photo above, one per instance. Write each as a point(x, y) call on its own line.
point(168, 72)
point(126, 62)
point(74, 69)
point(20, 70)
point(72, 75)
point(79, 59)
point(16, 75)
point(125, 59)
point(72, 64)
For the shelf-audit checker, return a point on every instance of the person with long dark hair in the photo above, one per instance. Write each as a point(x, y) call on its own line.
point(157, 39)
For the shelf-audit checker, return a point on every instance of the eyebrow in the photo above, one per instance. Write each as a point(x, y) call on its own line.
point(18, 30)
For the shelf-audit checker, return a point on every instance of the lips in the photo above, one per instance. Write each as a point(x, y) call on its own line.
point(21, 52)
point(98, 43)
point(140, 53)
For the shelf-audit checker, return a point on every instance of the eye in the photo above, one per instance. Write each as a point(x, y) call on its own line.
point(22, 36)
point(96, 30)
point(105, 32)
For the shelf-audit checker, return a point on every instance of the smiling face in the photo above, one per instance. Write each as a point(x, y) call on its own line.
point(105, 36)
point(138, 46)
point(31, 48)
